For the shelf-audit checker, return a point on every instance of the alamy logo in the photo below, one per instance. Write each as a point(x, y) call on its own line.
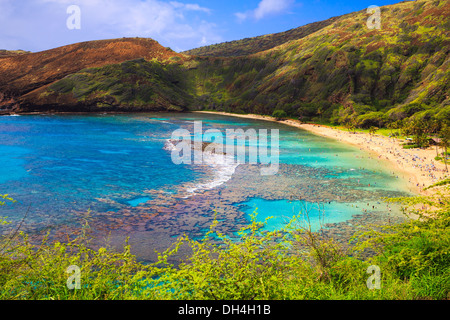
point(74, 20)
point(374, 21)
point(74, 281)
point(374, 281)
point(193, 148)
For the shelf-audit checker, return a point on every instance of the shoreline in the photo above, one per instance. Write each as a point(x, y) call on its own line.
point(418, 165)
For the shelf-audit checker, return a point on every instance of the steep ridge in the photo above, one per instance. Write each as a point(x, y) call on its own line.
point(21, 74)
point(4, 53)
point(257, 44)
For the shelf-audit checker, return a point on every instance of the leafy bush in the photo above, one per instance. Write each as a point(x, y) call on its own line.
point(410, 146)
point(279, 114)
point(6, 197)
point(376, 119)
point(293, 263)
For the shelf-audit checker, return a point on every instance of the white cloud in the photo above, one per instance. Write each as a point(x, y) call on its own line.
point(189, 6)
point(41, 24)
point(266, 8)
point(242, 16)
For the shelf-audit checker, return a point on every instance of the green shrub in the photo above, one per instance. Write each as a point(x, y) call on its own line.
point(371, 119)
point(293, 263)
point(279, 114)
point(410, 146)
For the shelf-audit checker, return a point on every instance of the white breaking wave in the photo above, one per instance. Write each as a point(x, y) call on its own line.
point(169, 146)
point(222, 167)
point(159, 121)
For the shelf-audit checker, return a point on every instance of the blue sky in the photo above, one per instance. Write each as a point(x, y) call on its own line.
point(37, 25)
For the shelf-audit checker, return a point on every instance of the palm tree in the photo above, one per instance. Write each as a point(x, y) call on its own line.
point(445, 142)
point(419, 130)
point(351, 124)
point(434, 129)
point(391, 127)
point(320, 112)
point(373, 130)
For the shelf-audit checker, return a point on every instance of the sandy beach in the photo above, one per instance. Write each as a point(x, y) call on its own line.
point(415, 165)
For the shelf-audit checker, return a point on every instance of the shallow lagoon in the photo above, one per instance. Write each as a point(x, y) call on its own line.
point(60, 166)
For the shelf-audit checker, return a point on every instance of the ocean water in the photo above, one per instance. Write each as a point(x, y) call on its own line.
point(118, 168)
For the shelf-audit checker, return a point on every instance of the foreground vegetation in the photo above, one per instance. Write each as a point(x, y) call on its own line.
point(413, 258)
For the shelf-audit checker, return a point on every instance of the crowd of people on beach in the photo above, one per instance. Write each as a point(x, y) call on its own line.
point(406, 158)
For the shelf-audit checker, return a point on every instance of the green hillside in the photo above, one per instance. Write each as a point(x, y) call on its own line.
point(257, 44)
point(136, 85)
point(343, 72)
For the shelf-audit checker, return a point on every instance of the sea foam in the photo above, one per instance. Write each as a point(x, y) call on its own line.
point(221, 166)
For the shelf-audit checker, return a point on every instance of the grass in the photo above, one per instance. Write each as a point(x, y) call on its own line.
point(381, 131)
point(440, 183)
point(410, 146)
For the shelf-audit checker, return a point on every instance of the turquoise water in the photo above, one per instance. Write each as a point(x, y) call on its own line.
point(55, 163)
point(279, 213)
point(12, 163)
point(117, 167)
point(138, 201)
